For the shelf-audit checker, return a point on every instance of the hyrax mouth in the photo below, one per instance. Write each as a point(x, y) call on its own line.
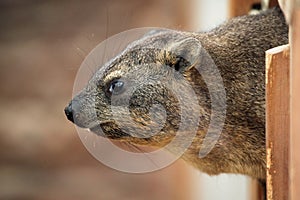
point(108, 129)
point(97, 130)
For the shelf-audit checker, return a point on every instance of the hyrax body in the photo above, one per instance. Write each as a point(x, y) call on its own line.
point(151, 70)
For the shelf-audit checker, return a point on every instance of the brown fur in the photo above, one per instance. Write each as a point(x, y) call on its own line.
point(237, 48)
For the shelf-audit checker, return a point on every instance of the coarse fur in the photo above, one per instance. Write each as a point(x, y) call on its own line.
point(170, 57)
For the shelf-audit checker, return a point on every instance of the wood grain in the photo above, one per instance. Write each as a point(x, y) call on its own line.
point(295, 106)
point(277, 122)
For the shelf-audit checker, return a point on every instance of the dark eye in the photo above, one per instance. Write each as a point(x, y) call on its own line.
point(116, 87)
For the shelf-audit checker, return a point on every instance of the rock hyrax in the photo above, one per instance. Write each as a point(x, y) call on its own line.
point(136, 80)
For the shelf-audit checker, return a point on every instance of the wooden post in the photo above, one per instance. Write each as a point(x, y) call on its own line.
point(277, 122)
point(295, 104)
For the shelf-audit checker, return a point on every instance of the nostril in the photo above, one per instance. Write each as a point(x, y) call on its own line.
point(69, 112)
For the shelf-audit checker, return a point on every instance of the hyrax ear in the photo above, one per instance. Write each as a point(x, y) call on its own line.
point(183, 54)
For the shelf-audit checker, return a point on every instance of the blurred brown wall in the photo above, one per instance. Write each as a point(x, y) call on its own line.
point(42, 45)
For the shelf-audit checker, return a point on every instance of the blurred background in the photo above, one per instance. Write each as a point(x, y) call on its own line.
point(42, 46)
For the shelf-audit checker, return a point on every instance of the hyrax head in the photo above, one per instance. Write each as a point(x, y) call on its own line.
point(147, 94)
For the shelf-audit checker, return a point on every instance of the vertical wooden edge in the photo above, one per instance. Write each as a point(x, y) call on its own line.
point(295, 106)
point(277, 122)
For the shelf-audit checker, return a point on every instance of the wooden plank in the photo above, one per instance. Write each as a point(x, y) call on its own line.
point(277, 122)
point(240, 7)
point(295, 105)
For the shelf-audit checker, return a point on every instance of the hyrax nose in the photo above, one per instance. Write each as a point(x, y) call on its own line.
point(69, 112)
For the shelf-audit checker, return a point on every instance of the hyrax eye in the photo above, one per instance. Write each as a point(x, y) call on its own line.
point(116, 87)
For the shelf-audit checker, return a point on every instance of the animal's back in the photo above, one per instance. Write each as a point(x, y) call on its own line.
point(238, 50)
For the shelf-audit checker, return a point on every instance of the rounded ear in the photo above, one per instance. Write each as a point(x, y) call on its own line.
point(188, 50)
